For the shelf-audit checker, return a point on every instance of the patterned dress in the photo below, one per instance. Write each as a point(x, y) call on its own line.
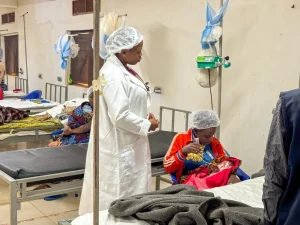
point(80, 116)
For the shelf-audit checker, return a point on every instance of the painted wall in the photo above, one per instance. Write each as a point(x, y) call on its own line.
point(45, 22)
point(261, 38)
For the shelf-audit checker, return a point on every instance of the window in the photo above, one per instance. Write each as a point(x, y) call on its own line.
point(82, 7)
point(8, 18)
point(82, 64)
point(11, 54)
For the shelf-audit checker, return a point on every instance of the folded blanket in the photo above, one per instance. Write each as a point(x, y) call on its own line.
point(184, 205)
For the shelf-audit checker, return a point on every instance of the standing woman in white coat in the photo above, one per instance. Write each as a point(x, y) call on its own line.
point(124, 154)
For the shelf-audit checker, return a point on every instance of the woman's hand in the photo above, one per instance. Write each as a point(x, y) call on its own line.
point(151, 116)
point(67, 131)
point(191, 148)
point(154, 124)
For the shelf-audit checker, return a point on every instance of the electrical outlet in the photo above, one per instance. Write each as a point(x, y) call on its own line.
point(59, 79)
point(157, 90)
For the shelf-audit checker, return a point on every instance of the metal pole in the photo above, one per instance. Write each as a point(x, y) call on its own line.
point(97, 9)
point(27, 89)
point(220, 78)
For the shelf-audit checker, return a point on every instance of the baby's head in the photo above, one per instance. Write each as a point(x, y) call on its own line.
point(225, 164)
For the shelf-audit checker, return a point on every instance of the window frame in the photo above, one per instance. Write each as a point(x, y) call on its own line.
point(82, 13)
point(8, 16)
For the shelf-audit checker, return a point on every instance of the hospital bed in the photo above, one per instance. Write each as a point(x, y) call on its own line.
point(12, 95)
point(248, 192)
point(43, 165)
point(20, 83)
point(28, 105)
point(40, 132)
point(56, 93)
point(69, 162)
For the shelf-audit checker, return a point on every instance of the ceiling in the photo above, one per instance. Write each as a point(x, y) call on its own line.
point(8, 3)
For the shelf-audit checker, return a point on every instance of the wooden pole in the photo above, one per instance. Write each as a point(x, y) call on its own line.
point(220, 78)
point(97, 9)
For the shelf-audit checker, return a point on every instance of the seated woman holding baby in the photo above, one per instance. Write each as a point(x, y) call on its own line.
point(197, 158)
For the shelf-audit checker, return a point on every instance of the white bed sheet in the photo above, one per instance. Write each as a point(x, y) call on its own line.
point(248, 192)
point(19, 104)
point(57, 109)
point(11, 94)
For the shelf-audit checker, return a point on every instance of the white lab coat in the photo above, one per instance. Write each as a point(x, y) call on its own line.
point(124, 155)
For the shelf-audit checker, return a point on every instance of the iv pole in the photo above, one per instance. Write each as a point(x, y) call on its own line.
point(27, 89)
point(220, 77)
point(97, 10)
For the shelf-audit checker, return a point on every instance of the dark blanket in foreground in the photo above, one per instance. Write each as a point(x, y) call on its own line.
point(183, 205)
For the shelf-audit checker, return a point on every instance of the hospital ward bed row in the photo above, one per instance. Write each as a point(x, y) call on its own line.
point(21, 169)
point(29, 129)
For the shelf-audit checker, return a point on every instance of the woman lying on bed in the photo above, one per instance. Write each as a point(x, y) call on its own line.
point(79, 124)
point(197, 158)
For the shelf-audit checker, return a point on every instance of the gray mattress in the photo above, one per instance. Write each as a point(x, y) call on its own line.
point(44, 161)
point(160, 142)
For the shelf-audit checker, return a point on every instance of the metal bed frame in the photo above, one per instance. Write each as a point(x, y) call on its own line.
point(54, 97)
point(158, 171)
point(36, 136)
point(20, 185)
point(21, 83)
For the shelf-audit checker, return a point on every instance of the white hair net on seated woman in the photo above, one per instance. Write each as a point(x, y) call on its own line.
point(124, 38)
point(204, 119)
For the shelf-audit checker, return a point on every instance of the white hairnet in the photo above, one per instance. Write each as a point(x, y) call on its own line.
point(124, 38)
point(89, 91)
point(204, 119)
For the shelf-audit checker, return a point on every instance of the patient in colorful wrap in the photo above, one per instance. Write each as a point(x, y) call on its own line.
point(197, 158)
point(79, 124)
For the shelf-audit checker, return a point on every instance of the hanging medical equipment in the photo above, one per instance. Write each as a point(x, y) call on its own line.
point(110, 23)
point(66, 48)
point(208, 59)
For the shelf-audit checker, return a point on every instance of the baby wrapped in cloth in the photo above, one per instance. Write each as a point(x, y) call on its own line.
point(216, 174)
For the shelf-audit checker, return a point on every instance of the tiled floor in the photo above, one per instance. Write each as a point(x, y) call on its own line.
point(40, 212)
